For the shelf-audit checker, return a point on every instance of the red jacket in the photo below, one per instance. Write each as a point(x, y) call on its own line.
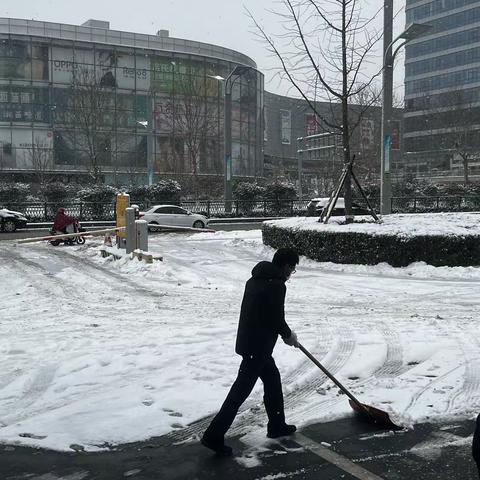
point(61, 220)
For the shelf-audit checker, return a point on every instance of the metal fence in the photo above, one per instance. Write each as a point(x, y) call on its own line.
point(89, 211)
point(435, 204)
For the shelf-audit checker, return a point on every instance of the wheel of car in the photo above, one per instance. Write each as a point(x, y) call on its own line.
point(9, 226)
point(152, 229)
point(198, 224)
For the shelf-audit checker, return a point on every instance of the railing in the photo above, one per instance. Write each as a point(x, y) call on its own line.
point(245, 208)
point(91, 211)
point(443, 203)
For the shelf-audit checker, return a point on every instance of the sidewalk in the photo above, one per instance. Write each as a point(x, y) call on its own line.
point(341, 450)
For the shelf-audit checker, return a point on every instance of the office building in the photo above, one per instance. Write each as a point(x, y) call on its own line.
point(442, 91)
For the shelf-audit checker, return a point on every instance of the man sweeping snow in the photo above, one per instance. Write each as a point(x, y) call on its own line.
point(262, 319)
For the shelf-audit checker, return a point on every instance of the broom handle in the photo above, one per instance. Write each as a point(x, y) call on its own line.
point(331, 377)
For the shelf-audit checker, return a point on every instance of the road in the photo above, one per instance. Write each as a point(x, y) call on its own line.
point(77, 330)
point(225, 227)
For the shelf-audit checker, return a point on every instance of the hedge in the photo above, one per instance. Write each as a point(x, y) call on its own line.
point(366, 249)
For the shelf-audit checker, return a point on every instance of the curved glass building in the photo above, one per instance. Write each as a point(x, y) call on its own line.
point(121, 106)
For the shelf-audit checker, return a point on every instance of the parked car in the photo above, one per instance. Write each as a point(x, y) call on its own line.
point(11, 220)
point(316, 205)
point(173, 215)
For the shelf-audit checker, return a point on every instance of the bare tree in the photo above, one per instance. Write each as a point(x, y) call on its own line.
point(324, 52)
point(40, 155)
point(193, 115)
point(452, 120)
point(90, 107)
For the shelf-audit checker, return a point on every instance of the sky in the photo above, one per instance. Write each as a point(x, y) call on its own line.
point(221, 22)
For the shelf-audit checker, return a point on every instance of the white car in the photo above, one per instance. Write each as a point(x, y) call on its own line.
point(173, 215)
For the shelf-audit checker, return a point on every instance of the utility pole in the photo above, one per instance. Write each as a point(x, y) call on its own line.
point(387, 100)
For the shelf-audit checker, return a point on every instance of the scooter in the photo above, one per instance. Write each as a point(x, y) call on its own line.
point(77, 240)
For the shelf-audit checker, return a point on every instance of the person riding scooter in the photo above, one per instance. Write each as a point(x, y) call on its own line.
point(63, 223)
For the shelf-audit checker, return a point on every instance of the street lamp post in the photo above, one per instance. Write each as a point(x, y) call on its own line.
point(237, 72)
point(413, 31)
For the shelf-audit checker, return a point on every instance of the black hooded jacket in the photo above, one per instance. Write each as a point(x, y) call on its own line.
point(262, 316)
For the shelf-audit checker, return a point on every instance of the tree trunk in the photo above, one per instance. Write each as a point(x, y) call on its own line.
point(345, 126)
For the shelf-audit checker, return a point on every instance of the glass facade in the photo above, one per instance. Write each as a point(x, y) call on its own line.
point(442, 85)
point(452, 60)
point(435, 7)
point(128, 109)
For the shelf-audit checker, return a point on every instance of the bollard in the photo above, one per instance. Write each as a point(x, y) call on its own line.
point(141, 227)
point(123, 201)
point(130, 230)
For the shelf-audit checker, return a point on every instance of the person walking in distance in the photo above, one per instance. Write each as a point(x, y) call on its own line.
point(262, 320)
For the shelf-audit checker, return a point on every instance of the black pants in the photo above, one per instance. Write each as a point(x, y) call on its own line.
point(476, 444)
point(250, 370)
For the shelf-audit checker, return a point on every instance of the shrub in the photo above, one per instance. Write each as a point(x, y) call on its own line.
point(367, 249)
point(454, 189)
point(56, 192)
point(430, 190)
point(280, 191)
point(371, 190)
point(164, 191)
point(13, 192)
point(99, 200)
point(280, 194)
point(98, 193)
point(473, 191)
point(137, 192)
point(247, 193)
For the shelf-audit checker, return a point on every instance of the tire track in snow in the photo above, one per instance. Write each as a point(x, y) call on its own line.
point(47, 284)
point(39, 284)
point(248, 414)
point(97, 269)
point(36, 386)
point(468, 393)
point(320, 349)
point(419, 394)
point(392, 367)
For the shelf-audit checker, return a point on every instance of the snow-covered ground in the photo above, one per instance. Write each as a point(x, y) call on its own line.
point(95, 351)
point(405, 225)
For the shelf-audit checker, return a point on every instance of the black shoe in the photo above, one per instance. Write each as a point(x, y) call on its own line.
point(281, 431)
point(220, 449)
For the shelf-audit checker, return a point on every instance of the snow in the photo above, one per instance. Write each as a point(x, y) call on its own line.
point(97, 352)
point(404, 225)
point(5, 213)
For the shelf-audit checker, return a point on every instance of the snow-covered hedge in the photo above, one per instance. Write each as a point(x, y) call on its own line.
point(437, 239)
